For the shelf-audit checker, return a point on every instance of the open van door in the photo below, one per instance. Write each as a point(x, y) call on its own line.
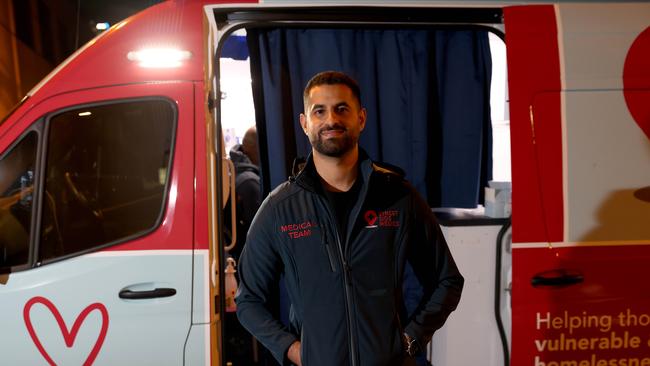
point(424, 36)
point(579, 85)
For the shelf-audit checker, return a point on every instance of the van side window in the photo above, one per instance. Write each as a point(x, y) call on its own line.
point(106, 171)
point(16, 185)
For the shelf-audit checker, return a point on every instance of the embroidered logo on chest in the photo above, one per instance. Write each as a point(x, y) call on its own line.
point(388, 218)
point(298, 230)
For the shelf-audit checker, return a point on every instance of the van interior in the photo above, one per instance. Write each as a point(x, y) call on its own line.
point(437, 103)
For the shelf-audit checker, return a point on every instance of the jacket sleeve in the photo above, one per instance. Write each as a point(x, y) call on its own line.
point(260, 268)
point(433, 265)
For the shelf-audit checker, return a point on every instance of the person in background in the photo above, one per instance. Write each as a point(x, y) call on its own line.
point(242, 348)
point(341, 233)
point(247, 185)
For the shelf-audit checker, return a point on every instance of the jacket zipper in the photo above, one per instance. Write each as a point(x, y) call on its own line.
point(352, 344)
point(347, 275)
point(330, 255)
point(346, 268)
point(348, 301)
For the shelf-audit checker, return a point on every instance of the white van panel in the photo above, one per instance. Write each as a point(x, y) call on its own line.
point(84, 291)
point(604, 169)
point(470, 336)
point(197, 349)
point(594, 41)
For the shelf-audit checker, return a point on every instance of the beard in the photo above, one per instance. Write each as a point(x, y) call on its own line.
point(333, 146)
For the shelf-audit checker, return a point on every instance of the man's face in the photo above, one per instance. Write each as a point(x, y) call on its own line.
point(333, 119)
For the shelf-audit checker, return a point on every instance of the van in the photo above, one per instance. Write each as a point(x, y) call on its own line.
point(114, 178)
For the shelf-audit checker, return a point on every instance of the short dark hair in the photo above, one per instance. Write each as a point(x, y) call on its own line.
point(332, 78)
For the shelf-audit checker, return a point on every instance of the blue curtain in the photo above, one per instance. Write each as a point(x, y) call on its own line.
point(427, 93)
point(235, 47)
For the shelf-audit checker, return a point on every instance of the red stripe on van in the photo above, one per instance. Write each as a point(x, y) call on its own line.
point(536, 146)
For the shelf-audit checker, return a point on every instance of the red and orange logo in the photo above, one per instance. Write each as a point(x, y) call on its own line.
point(388, 218)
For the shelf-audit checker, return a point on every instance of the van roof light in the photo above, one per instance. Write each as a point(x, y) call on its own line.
point(159, 57)
point(102, 26)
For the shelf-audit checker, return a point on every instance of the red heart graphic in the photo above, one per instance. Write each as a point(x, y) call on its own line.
point(68, 336)
point(636, 80)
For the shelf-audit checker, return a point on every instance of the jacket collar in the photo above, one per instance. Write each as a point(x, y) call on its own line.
point(309, 179)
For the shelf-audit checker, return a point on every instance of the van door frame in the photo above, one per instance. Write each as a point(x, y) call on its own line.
point(226, 19)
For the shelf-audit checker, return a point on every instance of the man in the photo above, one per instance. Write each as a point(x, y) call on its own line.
point(341, 232)
point(247, 185)
point(241, 347)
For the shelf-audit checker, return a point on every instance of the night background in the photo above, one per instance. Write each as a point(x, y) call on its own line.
point(37, 35)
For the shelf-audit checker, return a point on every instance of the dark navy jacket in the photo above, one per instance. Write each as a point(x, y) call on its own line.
point(345, 288)
point(249, 196)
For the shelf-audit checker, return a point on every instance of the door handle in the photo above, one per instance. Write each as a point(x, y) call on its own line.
point(149, 294)
point(557, 278)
